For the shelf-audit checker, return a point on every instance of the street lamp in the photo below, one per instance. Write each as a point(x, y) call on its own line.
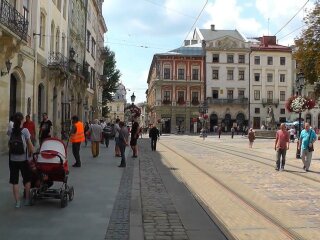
point(133, 98)
point(299, 85)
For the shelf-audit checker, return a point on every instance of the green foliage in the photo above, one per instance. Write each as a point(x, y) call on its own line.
point(111, 77)
point(308, 46)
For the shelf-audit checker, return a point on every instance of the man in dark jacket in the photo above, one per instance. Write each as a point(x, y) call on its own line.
point(154, 134)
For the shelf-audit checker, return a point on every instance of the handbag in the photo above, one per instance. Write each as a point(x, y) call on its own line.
point(310, 149)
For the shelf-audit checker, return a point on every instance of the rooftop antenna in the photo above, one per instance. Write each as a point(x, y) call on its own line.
point(268, 25)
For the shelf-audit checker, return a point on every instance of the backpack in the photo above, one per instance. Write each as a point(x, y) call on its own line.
point(16, 143)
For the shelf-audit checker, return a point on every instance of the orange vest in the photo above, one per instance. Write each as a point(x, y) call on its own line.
point(79, 135)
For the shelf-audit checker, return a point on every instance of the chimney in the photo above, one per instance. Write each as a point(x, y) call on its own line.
point(213, 27)
point(186, 42)
point(269, 40)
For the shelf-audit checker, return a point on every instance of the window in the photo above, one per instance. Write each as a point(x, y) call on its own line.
point(269, 77)
point(269, 96)
point(93, 48)
point(181, 96)
point(166, 73)
point(270, 60)
point(63, 44)
point(241, 94)
point(92, 79)
point(118, 108)
point(230, 94)
point(256, 94)
point(215, 74)
point(89, 12)
point(230, 75)
point(257, 77)
point(241, 59)
point(42, 30)
point(282, 111)
point(65, 2)
point(215, 58)
point(88, 40)
point(282, 61)
point(229, 58)
point(26, 9)
point(195, 97)
point(257, 110)
point(215, 94)
point(181, 73)
point(257, 60)
point(241, 74)
point(195, 74)
point(166, 96)
point(58, 40)
point(282, 77)
point(282, 95)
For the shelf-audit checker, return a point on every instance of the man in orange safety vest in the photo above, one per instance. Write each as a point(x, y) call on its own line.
point(76, 137)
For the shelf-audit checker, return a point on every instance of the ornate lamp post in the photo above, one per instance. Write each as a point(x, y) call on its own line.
point(203, 109)
point(299, 86)
point(133, 98)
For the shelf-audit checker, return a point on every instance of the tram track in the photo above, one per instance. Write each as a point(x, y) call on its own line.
point(276, 222)
point(252, 157)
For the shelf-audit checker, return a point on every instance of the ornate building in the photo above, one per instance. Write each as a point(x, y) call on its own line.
point(117, 106)
point(227, 76)
point(43, 61)
point(176, 88)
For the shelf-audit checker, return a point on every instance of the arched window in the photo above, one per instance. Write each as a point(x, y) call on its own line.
point(63, 44)
point(42, 30)
point(52, 37)
point(58, 40)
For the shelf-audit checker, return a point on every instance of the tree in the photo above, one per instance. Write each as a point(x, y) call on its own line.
point(308, 47)
point(110, 79)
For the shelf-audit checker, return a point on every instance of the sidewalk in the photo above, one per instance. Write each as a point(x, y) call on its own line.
point(145, 200)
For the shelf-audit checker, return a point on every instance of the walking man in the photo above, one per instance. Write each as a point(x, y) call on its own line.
point(281, 145)
point(76, 137)
point(154, 134)
point(45, 128)
point(306, 140)
point(219, 131)
point(116, 138)
point(134, 137)
point(95, 131)
point(292, 132)
point(107, 134)
point(123, 142)
point(232, 132)
point(32, 129)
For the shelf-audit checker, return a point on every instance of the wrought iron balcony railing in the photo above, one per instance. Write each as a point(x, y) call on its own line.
point(56, 59)
point(13, 20)
point(239, 101)
point(270, 101)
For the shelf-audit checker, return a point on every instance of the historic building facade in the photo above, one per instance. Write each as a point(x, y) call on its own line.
point(117, 106)
point(227, 76)
point(271, 81)
point(176, 88)
point(43, 43)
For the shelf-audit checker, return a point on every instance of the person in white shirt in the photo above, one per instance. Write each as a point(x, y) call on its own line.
point(292, 132)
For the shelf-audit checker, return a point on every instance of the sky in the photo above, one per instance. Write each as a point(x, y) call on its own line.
point(141, 28)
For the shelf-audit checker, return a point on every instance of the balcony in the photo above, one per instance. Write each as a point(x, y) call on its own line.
point(12, 20)
point(221, 101)
point(58, 65)
point(272, 101)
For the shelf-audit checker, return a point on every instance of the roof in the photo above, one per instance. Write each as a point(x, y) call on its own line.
point(190, 50)
point(208, 34)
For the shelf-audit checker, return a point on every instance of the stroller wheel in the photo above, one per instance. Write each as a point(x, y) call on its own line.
point(71, 193)
point(33, 196)
point(63, 199)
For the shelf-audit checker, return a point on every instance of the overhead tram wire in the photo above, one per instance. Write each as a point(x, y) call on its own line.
point(291, 18)
point(291, 32)
point(196, 20)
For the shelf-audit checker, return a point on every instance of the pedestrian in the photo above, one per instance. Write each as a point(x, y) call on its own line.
point(134, 137)
point(20, 149)
point(86, 133)
point(45, 128)
point(32, 129)
point(292, 132)
point(107, 134)
point(76, 137)
point(95, 131)
point(251, 137)
point(123, 142)
point(305, 144)
point(281, 145)
point(154, 134)
point(116, 138)
point(219, 131)
point(232, 132)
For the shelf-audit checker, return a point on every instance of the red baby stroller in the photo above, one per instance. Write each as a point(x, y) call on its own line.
point(52, 166)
